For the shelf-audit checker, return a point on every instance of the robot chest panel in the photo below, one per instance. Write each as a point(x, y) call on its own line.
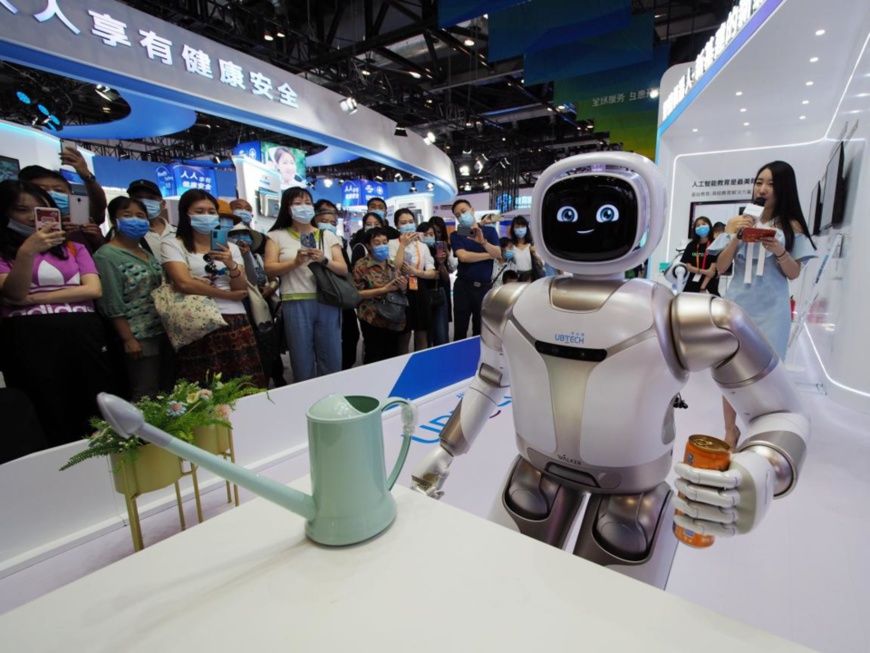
point(620, 317)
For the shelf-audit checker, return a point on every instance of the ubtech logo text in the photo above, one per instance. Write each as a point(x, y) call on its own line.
point(572, 338)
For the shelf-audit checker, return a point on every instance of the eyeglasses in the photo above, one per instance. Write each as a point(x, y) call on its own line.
point(211, 268)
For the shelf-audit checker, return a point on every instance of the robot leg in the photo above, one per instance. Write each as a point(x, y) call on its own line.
point(631, 534)
point(536, 505)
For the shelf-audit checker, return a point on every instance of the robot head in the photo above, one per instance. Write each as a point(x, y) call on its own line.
point(598, 214)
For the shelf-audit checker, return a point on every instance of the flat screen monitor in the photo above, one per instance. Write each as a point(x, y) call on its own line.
point(832, 199)
point(814, 216)
point(269, 204)
point(8, 168)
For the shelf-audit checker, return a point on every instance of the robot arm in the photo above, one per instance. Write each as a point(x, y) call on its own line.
point(480, 400)
point(717, 334)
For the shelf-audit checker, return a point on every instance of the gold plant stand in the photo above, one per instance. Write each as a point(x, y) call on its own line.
point(218, 440)
point(147, 469)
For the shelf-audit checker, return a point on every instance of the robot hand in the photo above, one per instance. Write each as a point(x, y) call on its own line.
point(725, 503)
point(431, 473)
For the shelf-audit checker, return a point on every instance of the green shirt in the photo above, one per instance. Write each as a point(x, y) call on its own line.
point(127, 284)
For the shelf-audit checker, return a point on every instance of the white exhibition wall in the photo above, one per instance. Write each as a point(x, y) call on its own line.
point(32, 146)
point(707, 156)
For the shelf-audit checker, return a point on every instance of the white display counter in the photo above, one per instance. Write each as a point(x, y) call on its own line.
point(438, 579)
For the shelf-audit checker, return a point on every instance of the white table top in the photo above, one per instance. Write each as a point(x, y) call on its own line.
point(438, 579)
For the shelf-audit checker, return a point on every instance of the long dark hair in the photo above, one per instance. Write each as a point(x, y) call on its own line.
point(520, 221)
point(285, 215)
point(696, 239)
point(788, 203)
point(10, 241)
point(438, 221)
point(185, 231)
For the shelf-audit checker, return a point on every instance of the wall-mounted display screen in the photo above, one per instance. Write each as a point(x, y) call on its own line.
point(288, 161)
point(8, 168)
point(814, 215)
point(269, 203)
point(832, 200)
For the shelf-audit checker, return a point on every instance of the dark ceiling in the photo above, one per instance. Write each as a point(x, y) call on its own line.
point(390, 55)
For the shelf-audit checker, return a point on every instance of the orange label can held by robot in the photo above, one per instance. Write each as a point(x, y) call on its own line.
point(703, 452)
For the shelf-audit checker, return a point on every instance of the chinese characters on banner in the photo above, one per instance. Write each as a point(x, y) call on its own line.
point(734, 188)
point(189, 177)
point(114, 33)
point(618, 98)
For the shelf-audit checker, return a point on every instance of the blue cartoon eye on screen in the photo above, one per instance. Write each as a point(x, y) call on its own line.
point(607, 213)
point(567, 214)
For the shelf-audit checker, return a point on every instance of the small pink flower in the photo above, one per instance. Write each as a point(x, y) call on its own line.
point(176, 408)
point(223, 411)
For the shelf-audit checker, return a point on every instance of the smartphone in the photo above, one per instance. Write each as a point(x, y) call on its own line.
point(226, 222)
point(44, 216)
point(464, 231)
point(309, 241)
point(439, 247)
point(753, 234)
point(219, 237)
point(79, 209)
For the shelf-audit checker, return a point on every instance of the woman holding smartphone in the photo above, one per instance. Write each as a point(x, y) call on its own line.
point(763, 269)
point(313, 330)
point(53, 346)
point(198, 266)
point(129, 274)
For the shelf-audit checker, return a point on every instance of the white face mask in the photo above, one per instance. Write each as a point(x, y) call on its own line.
point(302, 212)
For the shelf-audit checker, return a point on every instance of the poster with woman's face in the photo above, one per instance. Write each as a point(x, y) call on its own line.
point(289, 162)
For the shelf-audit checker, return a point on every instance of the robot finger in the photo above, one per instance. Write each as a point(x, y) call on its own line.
point(705, 512)
point(726, 480)
point(710, 496)
point(705, 527)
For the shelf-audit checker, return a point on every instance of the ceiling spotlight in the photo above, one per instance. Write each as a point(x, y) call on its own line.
point(809, 83)
point(805, 102)
point(467, 152)
point(430, 138)
point(414, 74)
point(348, 104)
point(43, 110)
point(23, 97)
point(478, 166)
point(467, 186)
point(107, 109)
point(105, 92)
point(464, 170)
point(398, 177)
point(378, 178)
point(327, 182)
point(365, 71)
point(820, 32)
point(413, 188)
point(216, 158)
point(746, 124)
point(803, 118)
point(738, 93)
point(400, 131)
point(694, 129)
point(468, 43)
point(267, 36)
point(654, 93)
point(813, 59)
point(279, 34)
point(743, 110)
point(430, 186)
point(486, 185)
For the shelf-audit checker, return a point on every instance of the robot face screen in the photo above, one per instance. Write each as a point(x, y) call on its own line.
point(590, 218)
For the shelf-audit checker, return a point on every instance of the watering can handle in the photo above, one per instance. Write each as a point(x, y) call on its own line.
point(409, 423)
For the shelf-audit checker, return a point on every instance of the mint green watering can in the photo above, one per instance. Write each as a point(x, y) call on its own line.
point(350, 501)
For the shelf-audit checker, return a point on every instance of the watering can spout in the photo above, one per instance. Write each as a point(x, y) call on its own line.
point(127, 421)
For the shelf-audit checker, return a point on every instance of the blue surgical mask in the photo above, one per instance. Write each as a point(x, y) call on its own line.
point(243, 239)
point(245, 216)
point(381, 252)
point(429, 240)
point(134, 228)
point(302, 212)
point(702, 231)
point(520, 232)
point(21, 229)
point(326, 226)
point(61, 200)
point(508, 254)
point(382, 214)
point(466, 219)
point(152, 208)
point(408, 228)
point(204, 223)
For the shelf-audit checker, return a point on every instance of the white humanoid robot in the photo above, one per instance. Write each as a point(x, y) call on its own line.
point(594, 362)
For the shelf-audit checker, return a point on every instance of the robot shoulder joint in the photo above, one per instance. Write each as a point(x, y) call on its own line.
point(496, 311)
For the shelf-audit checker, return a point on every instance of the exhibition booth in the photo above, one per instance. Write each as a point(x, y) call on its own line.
point(249, 577)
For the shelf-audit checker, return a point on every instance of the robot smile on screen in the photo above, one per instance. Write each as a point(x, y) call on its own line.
point(594, 362)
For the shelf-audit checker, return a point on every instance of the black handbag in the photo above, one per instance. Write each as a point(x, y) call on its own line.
point(392, 306)
point(332, 289)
